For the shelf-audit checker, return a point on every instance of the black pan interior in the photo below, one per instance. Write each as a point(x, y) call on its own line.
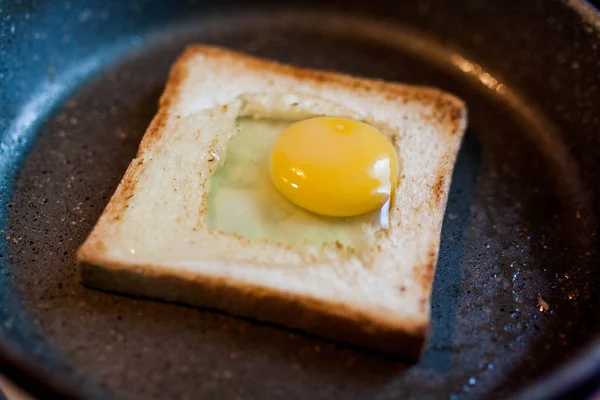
point(516, 289)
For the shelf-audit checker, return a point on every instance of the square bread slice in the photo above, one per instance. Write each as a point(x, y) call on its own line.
point(153, 240)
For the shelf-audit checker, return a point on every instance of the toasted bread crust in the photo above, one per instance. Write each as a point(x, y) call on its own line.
point(330, 320)
point(447, 106)
point(402, 336)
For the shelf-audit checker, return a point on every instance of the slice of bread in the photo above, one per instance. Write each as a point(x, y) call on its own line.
point(153, 240)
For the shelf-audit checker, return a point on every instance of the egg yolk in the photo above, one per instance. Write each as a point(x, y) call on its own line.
point(334, 166)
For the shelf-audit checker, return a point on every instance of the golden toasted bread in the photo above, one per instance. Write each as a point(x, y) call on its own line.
point(153, 239)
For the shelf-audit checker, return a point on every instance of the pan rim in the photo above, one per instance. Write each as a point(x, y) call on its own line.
point(576, 377)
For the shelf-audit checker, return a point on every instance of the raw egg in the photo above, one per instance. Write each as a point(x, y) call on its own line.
point(334, 166)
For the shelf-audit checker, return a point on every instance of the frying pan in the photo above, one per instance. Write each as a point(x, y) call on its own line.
point(515, 304)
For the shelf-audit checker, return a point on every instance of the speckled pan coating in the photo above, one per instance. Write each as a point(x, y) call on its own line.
point(516, 289)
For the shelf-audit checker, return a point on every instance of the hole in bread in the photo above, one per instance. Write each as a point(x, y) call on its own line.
point(244, 203)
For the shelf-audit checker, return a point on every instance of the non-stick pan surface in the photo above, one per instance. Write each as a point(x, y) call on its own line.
point(516, 293)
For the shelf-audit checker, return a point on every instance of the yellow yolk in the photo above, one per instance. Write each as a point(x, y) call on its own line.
point(334, 166)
